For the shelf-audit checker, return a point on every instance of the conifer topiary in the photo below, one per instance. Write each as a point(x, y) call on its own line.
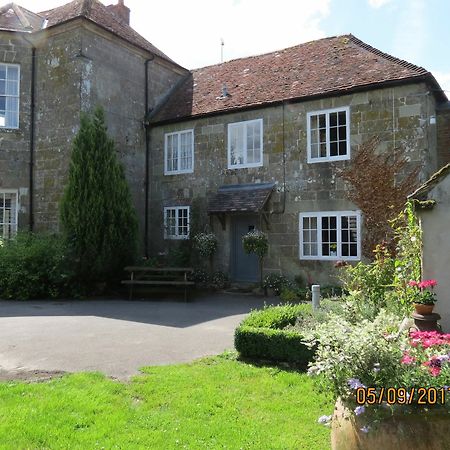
point(97, 214)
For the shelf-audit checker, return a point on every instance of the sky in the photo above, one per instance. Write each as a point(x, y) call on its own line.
point(191, 31)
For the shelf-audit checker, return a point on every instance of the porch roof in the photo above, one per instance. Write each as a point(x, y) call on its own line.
point(240, 198)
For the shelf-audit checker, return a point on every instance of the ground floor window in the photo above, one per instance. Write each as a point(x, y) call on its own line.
point(176, 222)
point(8, 213)
point(334, 235)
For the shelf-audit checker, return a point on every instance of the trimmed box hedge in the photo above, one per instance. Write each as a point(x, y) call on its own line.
point(262, 335)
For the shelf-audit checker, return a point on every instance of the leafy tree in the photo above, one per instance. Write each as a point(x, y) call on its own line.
point(97, 215)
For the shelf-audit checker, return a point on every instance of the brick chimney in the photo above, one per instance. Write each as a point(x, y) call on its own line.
point(121, 11)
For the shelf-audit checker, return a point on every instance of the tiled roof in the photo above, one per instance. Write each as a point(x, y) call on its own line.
point(15, 18)
point(99, 14)
point(325, 66)
point(240, 198)
point(421, 193)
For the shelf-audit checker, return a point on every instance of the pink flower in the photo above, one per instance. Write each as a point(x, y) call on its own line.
point(408, 359)
point(413, 283)
point(427, 284)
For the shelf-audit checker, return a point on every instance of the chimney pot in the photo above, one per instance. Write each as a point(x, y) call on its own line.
point(121, 11)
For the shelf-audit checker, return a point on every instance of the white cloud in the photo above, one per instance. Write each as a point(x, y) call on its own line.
point(378, 3)
point(190, 31)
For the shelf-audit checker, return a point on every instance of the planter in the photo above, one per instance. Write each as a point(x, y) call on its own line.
point(423, 309)
point(399, 431)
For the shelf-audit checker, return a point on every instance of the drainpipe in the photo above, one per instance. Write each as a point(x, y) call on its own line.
point(147, 158)
point(283, 209)
point(32, 127)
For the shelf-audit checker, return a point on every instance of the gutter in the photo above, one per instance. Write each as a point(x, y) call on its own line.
point(428, 78)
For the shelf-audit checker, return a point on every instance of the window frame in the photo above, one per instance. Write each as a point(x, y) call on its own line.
point(338, 215)
point(16, 215)
point(261, 150)
point(177, 235)
point(327, 112)
point(6, 127)
point(178, 133)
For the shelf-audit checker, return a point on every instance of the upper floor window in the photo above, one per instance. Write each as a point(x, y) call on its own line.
point(245, 144)
point(179, 152)
point(330, 235)
point(328, 135)
point(176, 222)
point(9, 95)
point(8, 213)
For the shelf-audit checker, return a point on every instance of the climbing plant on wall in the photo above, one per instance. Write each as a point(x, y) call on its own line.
point(379, 184)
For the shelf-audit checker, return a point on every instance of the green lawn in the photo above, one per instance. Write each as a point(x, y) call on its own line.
point(213, 403)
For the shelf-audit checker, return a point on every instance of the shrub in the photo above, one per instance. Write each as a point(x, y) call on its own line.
point(219, 280)
point(275, 282)
point(289, 295)
point(205, 244)
point(97, 215)
point(35, 266)
point(263, 335)
point(199, 276)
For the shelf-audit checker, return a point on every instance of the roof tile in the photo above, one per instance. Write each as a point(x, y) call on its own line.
point(319, 67)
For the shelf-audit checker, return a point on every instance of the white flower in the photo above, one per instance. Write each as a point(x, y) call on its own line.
point(324, 420)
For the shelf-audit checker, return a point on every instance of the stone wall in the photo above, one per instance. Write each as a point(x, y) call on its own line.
point(15, 144)
point(400, 116)
point(78, 66)
point(443, 135)
point(436, 247)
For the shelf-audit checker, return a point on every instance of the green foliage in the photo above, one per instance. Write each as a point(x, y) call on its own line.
point(272, 344)
point(369, 284)
point(219, 280)
point(275, 282)
point(263, 335)
point(205, 244)
point(256, 242)
point(289, 295)
point(34, 266)
point(200, 276)
point(408, 267)
point(96, 209)
point(179, 255)
point(367, 351)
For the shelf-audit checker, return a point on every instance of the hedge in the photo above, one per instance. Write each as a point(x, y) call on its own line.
point(262, 335)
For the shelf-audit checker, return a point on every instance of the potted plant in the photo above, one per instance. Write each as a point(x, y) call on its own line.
point(423, 296)
point(256, 242)
point(390, 386)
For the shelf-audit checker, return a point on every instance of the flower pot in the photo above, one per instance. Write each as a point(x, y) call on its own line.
point(401, 430)
point(423, 309)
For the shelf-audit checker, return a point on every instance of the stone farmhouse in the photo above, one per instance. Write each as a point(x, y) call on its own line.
point(253, 143)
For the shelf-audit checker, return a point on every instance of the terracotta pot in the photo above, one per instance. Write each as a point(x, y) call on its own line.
point(416, 430)
point(423, 309)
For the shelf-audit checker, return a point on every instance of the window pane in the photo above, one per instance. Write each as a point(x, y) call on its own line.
point(342, 118)
point(237, 145)
point(2, 87)
point(334, 149)
point(13, 73)
point(333, 119)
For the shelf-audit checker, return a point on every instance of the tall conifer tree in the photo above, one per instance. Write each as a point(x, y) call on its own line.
point(96, 209)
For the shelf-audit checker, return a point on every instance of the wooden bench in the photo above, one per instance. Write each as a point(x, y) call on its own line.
point(158, 276)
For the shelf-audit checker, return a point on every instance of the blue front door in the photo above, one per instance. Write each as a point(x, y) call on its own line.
point(244, 267)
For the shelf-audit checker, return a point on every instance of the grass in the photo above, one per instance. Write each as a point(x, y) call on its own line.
point(214, 403)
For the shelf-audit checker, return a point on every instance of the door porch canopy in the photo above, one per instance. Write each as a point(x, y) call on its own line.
point(240, 199)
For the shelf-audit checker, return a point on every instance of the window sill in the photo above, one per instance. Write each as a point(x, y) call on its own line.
point(244, 166)
point(327, 160)
point(178, 172)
